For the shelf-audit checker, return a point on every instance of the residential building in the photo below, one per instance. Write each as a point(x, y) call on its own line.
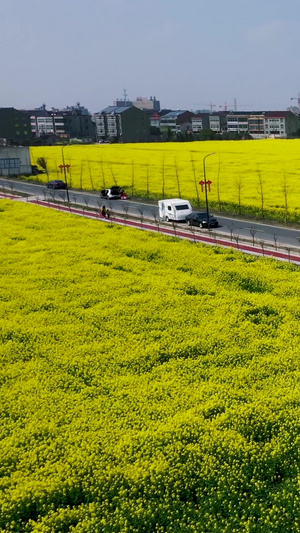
point(58, 123)
point(262, 124)
point(72, 123)
point(78, 126)
point(237, 122)
point(15, 160)
point(122, 124)
point(41, 122)
point(14, 126)
point(176, 122)
point(123, 103)
point(218, 122)
point(200, 121)
point(155, 120)
point(78, 109)
point(281, 124)
point(256, 123)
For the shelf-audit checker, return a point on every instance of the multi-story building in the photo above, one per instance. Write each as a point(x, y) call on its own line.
point(122, 124)
point(14, 126)
point(71, 122)
point(147, 103)
point(256, 125)
point(237, 122)
point(197, 124)
point(41, 122)
point(176, 122)
point(262, 124)
point(155, 120)
point(122, 103)
point(78, 126)
point(200, 122)
point(281, 123)
point(218, 121)
point(76, 109)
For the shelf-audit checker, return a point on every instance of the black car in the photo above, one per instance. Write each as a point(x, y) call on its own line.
point(200, 219)
point(114, 192)
point(56, 184)
point(35, 170)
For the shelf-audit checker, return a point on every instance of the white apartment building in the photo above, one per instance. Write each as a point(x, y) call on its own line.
point(41, 125)
point(46, 123)
point(100, 125)
point(275, 126)
point(237, 123)
point(215, 123)
point(113, 122)
point(197, 124)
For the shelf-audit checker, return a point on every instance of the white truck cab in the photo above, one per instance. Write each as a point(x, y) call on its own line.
point(174, 209)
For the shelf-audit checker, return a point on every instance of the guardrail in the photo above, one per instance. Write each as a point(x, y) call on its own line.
point(211, 237)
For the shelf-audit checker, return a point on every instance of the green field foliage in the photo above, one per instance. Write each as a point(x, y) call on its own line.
point(148, 384)
point(258, 178)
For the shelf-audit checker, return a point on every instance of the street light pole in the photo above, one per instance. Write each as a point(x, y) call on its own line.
point(65, 173)
point(205, 185)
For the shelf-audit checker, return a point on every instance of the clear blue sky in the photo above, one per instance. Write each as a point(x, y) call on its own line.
point(186, 53)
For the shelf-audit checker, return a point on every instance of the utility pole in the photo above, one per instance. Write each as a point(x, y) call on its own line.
point(65, 173)
point(205, 186)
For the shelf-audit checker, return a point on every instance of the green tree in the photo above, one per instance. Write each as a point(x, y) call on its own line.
point(42, 162)
point(207, 135)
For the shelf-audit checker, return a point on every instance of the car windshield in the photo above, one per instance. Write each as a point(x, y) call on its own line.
point(181, 207)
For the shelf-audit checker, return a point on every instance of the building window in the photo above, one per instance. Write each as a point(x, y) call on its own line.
point(9, 163)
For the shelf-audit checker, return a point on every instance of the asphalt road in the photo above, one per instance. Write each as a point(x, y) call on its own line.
point(229, 226)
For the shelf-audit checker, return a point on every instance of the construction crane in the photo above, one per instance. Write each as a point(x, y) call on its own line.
point(234, 106)
point(298, 100)
point(211, 105)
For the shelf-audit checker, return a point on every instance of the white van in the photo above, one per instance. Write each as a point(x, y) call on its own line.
point(174, 209)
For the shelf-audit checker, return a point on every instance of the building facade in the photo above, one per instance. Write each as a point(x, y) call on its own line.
point(176, 122)
point(281, 124)
point(14, 126)
point(150, 104)
point(15, 160)
point(263, 124)
point(71, 123)
point(200, 122)
point(122, 124)
point(79, 126)
point(237, 123)
point(41, 122)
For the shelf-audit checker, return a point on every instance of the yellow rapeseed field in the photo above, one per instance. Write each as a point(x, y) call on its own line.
point(248, 177)
point(147, 384)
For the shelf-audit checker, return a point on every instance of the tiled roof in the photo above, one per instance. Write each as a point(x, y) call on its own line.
point(115, 109)
point(174, 113)
point(278, 114)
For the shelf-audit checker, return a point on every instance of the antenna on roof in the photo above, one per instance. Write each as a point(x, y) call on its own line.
point(125, 96)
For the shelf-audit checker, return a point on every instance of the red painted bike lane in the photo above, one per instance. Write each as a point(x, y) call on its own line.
point(191, 235)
